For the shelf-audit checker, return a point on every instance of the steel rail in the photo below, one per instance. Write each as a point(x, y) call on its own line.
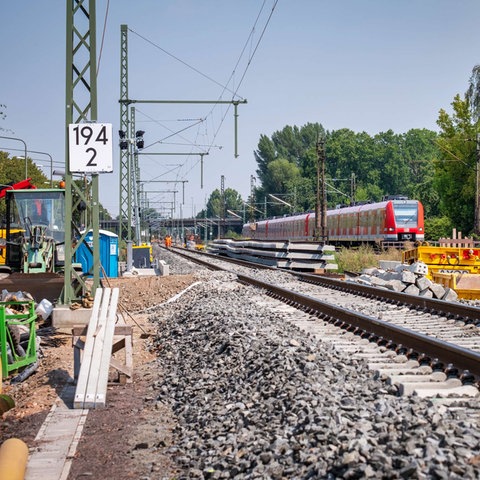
point(445, 352)
point(449, 309)
point(427, 349)
point(467, 313)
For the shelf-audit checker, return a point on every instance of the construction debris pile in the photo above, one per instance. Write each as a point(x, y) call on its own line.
point(409, 279)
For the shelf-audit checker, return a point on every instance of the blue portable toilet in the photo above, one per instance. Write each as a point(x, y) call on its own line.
point(108, 254)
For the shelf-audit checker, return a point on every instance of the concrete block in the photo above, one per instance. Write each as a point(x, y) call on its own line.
point(450, 295)
point(331, 266)
point(437, 290)
point(163, 268)
point(391, 275)
point(388, 264)
point(363, 281)
point(371, 271)
point(401, 267)
point(365, 278)
point(423, 283)
point(419, 268)
point(145, 272)
point(65, 318)
point(395, 285)
point(412, 290)
point(408, 277)
point(378, 282)
point(427, 293)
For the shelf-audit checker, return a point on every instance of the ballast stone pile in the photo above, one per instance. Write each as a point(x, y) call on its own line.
point(256, 398)
point(409, 279)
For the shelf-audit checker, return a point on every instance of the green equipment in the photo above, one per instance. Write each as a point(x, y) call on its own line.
point(35, 242)
point(41, 216)
point(17, 319)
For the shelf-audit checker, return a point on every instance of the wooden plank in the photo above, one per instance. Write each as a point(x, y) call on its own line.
point(91, 390)
point(84, 372)
point(129, 357)
point(106, 353)
point(98, 348)
point(123, 369)
point(81, 331)
point(78, 346)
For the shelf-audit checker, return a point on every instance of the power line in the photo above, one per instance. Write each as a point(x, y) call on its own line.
point(181, 61)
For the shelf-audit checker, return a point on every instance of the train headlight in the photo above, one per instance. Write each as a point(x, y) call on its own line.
point(391, 229)
point(420, 229)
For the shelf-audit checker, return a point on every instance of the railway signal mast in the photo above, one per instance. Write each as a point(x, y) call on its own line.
point(88, 142)
point(321, 234)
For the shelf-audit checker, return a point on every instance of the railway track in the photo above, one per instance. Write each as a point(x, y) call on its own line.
point(264, 388)
point(423, 346)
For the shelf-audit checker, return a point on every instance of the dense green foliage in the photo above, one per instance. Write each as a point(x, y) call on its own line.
point(455, 170)
point(358, 167)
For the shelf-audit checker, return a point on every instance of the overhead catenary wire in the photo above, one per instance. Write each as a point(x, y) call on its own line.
point(179, 60)
point(103, 36)
point(248, 62)
point(234, 93)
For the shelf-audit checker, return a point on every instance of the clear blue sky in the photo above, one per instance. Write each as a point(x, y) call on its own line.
point(366, 65)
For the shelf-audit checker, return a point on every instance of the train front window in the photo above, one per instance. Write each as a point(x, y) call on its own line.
point(406, 214)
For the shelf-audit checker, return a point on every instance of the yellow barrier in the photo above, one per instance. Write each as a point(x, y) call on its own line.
point(445, 259)
point(452, 266)
point(13, 459)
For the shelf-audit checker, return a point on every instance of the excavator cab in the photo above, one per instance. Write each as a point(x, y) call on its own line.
point(40, 215)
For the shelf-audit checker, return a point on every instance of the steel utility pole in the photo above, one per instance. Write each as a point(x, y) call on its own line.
point(252, 199)
point(222, 199)
point(126, 194)
point(81, 107)
point(321, 234)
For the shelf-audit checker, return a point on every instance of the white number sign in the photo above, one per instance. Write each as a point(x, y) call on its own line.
point(90, 147)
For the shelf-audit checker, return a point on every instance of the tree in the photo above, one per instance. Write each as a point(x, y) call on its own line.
point(358, 167)
point(421, 151)
point(455, 173)
point(296, 145)
point(282, 176)
point(349, 153)
point(472, 94)
point(233, 201)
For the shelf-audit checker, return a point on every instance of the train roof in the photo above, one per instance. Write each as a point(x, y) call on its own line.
point(364, 207)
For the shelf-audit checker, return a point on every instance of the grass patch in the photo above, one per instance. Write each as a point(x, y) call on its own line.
point(356, 259)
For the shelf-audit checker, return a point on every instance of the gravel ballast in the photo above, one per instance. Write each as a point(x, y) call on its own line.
point(256, 398)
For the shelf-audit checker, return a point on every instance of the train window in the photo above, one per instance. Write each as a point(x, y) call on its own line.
point(406, 214)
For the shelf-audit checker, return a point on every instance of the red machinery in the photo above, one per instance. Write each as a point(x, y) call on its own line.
point(22, 185)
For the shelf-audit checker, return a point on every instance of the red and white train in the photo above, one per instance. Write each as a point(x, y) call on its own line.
point(395, 220)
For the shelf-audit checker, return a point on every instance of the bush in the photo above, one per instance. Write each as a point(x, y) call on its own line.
point(438, 227)
point(356, 259)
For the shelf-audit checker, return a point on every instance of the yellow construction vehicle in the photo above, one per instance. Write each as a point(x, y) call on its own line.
point(454, 264)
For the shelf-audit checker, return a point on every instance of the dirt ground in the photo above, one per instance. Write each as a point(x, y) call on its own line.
point(116, 439)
